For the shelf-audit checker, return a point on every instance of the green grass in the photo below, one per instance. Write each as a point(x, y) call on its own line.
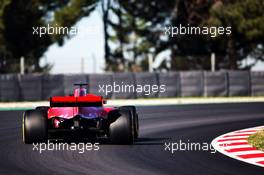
point(257, 140)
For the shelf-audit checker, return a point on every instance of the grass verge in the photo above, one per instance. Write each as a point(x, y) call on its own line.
point(257, 140)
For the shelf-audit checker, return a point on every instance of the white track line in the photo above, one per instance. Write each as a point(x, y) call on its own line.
point(149, 102)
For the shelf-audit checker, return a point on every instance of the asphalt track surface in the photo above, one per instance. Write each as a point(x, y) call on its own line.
point(158, 124)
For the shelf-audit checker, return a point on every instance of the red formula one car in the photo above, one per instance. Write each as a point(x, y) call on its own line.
point(82, 115)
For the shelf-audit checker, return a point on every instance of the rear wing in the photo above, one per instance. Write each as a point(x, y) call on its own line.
point(71, 101)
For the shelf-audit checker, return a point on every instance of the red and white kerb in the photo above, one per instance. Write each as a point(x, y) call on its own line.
point(235, 145)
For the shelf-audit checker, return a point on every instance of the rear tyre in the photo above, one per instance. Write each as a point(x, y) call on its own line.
point(42, 108)
point(135, 119)
point(121, 130)
point(34, 127)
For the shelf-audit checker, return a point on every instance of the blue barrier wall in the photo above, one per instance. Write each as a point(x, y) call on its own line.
point(9, 88)
point(52, 85)
point(147, 80)
point(215, 84)
point(172, 82)
point(33, 87)
point(127, 82)
point(257, 83)
point(192, 83)
point(98, 82)
point(239, 83)
point(30, 87)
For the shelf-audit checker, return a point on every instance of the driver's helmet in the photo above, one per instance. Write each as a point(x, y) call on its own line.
point(78, 92)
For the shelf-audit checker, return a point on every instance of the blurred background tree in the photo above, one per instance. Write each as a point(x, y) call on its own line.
point(136, 28)
point(134, 32)
point(191, 52)
point(247, 21)
point(17, 17)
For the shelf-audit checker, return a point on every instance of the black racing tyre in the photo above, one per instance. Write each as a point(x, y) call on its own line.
point(135, 119)
point(34, 126)
point(42, 108)
point(121, 130)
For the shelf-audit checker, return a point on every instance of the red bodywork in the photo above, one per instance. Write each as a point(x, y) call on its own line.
point(70, 112)
point(84, 105)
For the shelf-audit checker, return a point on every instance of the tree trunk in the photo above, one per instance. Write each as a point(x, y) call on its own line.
point(105, 10)
point(232, 53)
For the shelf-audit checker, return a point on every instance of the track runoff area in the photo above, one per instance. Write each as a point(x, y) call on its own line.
point(174, 121)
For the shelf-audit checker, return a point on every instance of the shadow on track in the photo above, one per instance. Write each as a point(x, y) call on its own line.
point(106, 141)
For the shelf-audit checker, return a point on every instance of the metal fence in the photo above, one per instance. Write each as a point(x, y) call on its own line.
point(15, 87)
